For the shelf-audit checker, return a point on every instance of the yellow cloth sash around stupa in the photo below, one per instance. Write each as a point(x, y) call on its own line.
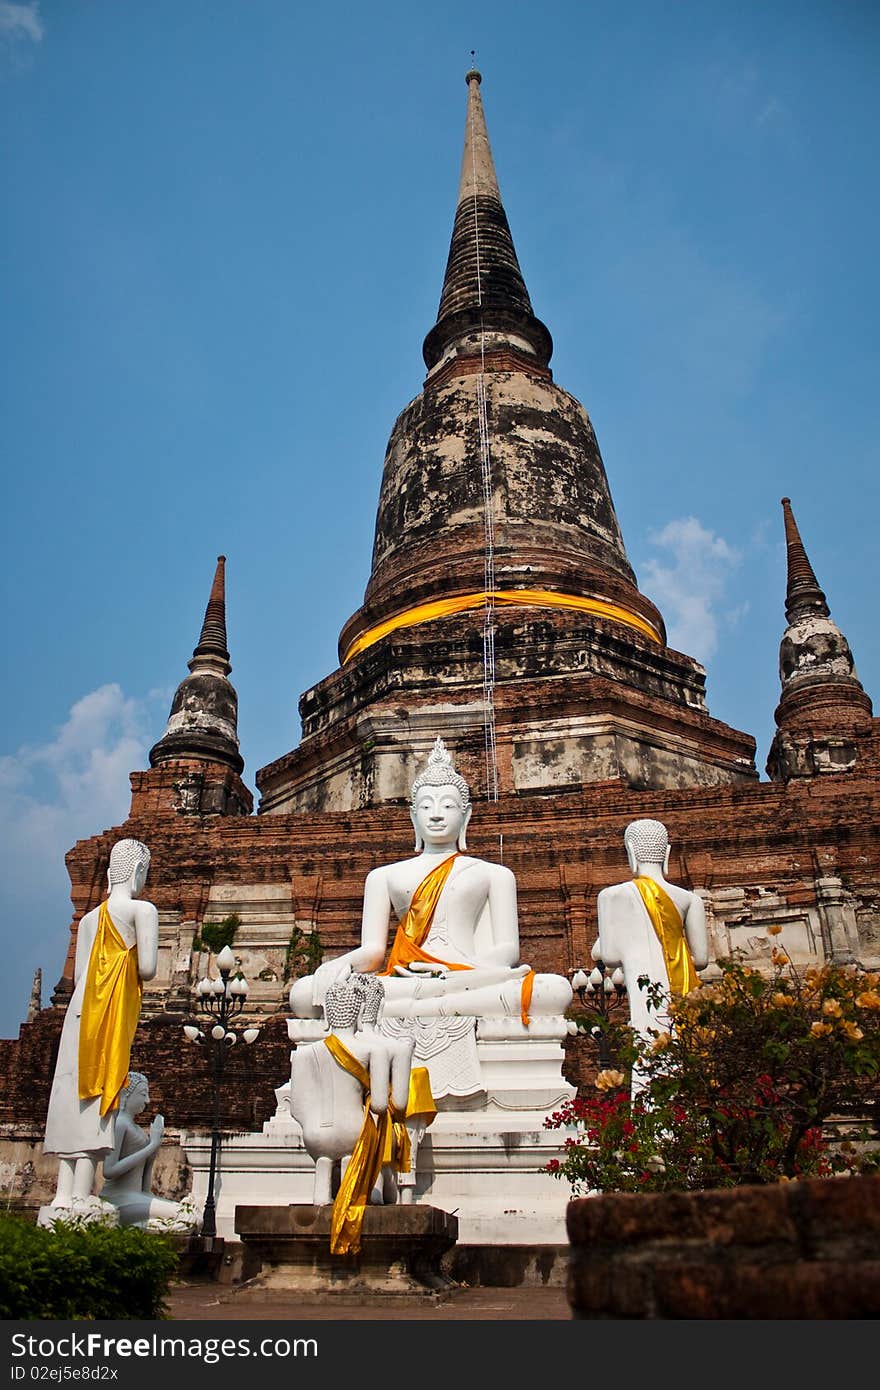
point(530, 598)
point(364, 1166)
point(110, 1012)
point(667, 923)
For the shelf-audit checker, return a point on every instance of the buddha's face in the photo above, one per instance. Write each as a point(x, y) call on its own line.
point(439, 815)
point(139, 1096)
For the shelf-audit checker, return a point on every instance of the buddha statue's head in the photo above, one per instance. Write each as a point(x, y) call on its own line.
point(129, 863)
point(373, 996)
point(646, 842)
point(136, 1091)
point(342, 1004)
point(440, 806)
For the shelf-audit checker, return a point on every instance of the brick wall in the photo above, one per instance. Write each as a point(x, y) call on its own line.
point(806, 1249)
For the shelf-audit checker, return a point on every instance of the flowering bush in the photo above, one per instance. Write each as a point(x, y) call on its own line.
point(737, 1085)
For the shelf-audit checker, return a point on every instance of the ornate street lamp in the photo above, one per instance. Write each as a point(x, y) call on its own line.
point(220, 1001)
point(601, 992)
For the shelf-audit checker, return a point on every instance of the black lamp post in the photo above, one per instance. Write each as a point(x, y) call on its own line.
point(220, 1001)
point(601, 992)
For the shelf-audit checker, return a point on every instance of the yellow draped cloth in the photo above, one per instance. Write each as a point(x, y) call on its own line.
point(110, 1012)
point(394, 1137)
point(525, 997)
point(530, 598)
point(363, 1168)
point(667, 923)
point(415, 924)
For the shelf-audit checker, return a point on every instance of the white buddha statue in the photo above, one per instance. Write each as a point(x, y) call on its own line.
point(651, 928)
point(455, 952)
point(116, 950)
point(128, 1168)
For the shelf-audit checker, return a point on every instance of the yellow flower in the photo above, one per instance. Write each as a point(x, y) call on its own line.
point(774, 930)
point(831, 1008)
point(778, 957)
point(820, 1029)
point(853, 1031)
point(609, 1080)
point(660, 1043)
point(868, 999)
point(781, 1001)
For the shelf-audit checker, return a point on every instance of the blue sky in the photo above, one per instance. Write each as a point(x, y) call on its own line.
point(224, 229)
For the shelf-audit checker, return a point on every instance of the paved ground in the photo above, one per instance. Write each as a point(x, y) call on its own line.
point(198, 1299)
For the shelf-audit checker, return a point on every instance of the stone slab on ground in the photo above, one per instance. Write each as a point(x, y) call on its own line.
point(401, 1251)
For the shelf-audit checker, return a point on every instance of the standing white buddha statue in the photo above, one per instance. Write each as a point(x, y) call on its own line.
point(651, 928)
point(116, 950)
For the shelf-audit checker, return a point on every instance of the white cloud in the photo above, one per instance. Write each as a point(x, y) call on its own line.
point(21, 21)
point(78, 778)
point(688, 581)
point(72, 786)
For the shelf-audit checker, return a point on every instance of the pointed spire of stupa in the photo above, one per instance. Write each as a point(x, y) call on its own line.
point(478, 177)
point(36, 1000)
point(211, 646)
point(203, 723)
point(823, 708)
point(802, 594)
point(483, 288)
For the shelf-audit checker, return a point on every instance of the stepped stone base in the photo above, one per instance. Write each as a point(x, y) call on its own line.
point(401, 1251)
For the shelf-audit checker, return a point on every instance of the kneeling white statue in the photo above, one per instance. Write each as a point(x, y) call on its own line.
point(338, 1087)
point(455, 952)
point(402, 1127)
point(128, 1168)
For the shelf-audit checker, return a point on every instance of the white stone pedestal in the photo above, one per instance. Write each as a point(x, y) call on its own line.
point(482, 1160)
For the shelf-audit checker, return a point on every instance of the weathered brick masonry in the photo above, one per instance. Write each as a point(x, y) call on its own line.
point(788, 1250)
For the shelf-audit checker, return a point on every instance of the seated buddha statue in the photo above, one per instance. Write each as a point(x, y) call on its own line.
point(440, 927)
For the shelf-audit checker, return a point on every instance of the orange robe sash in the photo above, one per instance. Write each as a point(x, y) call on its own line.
point(393, 1133)
point(110, 1012)
point(667, 924)
point(414, 926)
point(363, 1168)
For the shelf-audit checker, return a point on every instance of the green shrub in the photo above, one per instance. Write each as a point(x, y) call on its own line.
point(749, 1081)
point(82, 1269)
point(215, 935)
point(304, 953)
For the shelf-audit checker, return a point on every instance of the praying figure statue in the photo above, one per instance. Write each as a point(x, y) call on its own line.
point(116, 950)
point(338, 1086)
point(128, 1168)
point(651, 928)
point(451, 919)
point(401, 1128)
